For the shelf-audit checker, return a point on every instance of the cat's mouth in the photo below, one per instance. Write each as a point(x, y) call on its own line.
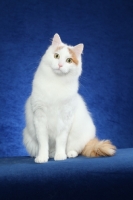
point(60, 71)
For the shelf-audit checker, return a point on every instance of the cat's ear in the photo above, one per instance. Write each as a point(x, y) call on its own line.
point(56, 40)
point(78, 49)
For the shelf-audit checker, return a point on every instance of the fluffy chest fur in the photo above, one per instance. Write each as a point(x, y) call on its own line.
point(57, 99)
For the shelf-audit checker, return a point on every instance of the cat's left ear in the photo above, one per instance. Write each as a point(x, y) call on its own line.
point(78, 49)
point(56, 40)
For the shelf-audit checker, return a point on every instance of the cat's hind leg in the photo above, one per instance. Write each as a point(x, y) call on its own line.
point(30, 143)
point(72, 154)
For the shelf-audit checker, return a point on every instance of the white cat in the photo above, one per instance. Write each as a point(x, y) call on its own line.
point(58, 124)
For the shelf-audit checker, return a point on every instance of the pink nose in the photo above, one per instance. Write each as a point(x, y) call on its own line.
point(60, 65)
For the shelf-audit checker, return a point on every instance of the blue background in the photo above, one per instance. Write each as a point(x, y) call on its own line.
point(105, 28)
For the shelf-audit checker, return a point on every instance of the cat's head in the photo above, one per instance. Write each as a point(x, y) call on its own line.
point(64, 59)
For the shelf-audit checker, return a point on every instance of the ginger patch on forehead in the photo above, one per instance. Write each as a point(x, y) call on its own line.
point(74, 58)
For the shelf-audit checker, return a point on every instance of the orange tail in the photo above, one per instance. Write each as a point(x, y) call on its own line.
point(96, 148)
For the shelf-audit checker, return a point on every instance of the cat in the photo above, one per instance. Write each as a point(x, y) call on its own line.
point(58, 123)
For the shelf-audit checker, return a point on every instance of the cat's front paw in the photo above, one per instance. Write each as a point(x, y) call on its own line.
point(60, 156)
point(72, 154)
point(41, 159)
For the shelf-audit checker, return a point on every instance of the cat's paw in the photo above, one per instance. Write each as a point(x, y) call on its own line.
point(72, 154)
point(60, 156)
point(41, 159)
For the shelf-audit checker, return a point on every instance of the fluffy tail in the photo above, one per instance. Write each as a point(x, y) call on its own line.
point(96, 148)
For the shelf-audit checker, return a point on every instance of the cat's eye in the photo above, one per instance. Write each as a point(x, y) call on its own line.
point(56, 55)
point(69, 60)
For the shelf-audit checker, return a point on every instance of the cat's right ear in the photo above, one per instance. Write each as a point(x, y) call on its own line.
point(56, 40)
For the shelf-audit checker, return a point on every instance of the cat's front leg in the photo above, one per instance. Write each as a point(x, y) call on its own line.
point(42, 136)
point(61, 139)
point(64, 126)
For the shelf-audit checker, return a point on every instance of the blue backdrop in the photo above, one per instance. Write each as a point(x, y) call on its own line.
point(105, 28)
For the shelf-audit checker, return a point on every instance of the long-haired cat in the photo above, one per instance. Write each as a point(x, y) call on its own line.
point(58, 124)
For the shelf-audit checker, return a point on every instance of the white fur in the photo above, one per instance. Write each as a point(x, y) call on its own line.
point(58, 123)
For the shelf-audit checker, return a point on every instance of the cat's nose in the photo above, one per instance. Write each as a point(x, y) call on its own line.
point(60, 65)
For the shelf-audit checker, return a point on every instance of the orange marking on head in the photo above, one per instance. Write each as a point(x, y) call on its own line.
point(74, 58)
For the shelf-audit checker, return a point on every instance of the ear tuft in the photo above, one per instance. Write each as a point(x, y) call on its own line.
point(56, 40)
point(78, 49)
